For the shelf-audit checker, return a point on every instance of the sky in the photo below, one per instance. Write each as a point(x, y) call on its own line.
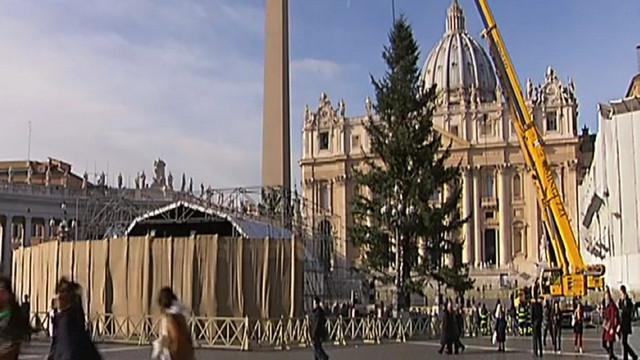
point(112, 85)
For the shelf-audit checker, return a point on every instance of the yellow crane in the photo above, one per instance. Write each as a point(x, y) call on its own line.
point(569, 276)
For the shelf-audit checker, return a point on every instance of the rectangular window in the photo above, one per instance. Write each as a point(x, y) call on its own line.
point(551, 121)
point(325, 195)
point(489, 215)
point(485, 126)
point(454, 130)
point(355, 142)
point(324, 140)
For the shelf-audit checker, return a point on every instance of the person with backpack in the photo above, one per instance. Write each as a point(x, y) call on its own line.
point(175, 341)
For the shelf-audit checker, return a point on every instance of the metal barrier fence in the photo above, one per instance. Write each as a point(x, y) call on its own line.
point(243, 333)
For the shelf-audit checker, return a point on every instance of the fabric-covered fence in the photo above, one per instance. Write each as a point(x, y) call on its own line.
point(213, 276)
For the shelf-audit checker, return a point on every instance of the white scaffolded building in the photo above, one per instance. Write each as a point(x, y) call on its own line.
point(610, 193)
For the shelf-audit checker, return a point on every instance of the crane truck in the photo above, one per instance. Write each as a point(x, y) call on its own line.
point(567, 275)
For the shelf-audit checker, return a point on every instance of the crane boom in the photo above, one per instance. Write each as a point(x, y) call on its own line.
point(575, 273)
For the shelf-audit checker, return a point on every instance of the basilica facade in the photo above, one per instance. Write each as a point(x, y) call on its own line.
point(504, 231)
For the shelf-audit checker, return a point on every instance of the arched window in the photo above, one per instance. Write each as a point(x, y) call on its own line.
point(517, 187)
point(324, 244)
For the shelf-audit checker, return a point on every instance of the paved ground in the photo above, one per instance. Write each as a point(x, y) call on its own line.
point(517, 348)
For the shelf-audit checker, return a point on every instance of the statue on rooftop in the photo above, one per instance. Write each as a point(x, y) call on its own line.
point(85, 180)
point(10, 174)
point(143, 180)
point(190, 185)
point(368, 106)
point(29, 175)
point(119, 180)
point(342, 108)
point(47, 176)
point(529, 88)
point(159, 167)
point(170, 181)
point(137, 181)
point(183, 186)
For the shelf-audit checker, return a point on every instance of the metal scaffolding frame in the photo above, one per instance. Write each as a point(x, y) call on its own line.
point(100, 212)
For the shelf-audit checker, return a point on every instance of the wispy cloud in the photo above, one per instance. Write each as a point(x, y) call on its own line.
point(325, 68)
point(115, 87)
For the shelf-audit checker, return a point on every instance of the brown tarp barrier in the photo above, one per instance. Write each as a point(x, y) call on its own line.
point(213, 276)
point(97, 288)
point(136, 278)
point(81, 268)
point(65, 256)
point(17, 271)
point(205, 276)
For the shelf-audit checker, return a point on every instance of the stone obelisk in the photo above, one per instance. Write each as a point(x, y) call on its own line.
point(276, 147)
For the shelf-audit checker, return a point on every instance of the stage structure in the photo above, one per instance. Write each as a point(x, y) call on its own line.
point(102, 212)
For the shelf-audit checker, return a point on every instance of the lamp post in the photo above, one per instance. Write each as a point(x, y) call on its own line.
point(398, 215)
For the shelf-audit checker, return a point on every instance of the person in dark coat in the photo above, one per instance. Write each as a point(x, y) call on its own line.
point(448, 330)
point(14, 327)
point(546, 323)
point(626, 307)
point(71, 340)
point(501, 328)
point(318, 330)
point(556, 327)
point(459, 317)
point(578, 327)
point(610, 325)
point(537, 317)
point(25, 307)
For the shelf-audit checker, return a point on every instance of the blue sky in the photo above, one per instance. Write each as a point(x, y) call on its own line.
point(112, 85)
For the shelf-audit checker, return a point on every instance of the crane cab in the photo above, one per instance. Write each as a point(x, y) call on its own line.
point(556, 283)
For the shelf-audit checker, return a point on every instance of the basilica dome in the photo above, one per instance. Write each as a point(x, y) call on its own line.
point(458, 64)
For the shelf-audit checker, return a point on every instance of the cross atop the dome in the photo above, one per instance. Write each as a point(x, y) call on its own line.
point(455, 18)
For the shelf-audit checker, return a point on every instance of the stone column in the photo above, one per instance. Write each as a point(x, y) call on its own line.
point(504, 207)
point(477, 234)
point(5, 255)
point(467, 228)
point(27, 231)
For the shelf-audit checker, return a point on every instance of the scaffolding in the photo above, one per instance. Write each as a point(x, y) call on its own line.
point(102, 212)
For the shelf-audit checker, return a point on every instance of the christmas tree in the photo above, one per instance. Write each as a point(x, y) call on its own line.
point(402, 198)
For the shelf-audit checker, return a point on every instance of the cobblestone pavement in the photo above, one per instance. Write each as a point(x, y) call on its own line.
point(478, 348)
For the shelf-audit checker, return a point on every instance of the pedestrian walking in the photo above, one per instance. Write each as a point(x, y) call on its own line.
point(556, 328)
point(537, 317)
point(626, 308)
point(459, 318)
point(318, 330)
point(175, 341)
point(71, 339)
point(25, 307)
point(501, 328)
point(578, 327)
point(610, 325)
point(546, 323)
point(14, 327)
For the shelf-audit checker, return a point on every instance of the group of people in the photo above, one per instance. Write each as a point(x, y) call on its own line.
point(452, 329)
point(616, 323)
point(70, 338)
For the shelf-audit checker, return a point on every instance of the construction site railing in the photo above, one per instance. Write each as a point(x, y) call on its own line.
point(243, 333)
